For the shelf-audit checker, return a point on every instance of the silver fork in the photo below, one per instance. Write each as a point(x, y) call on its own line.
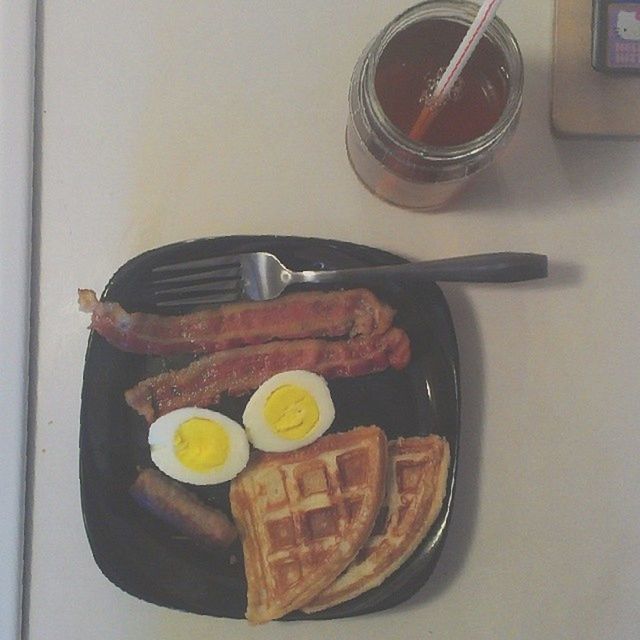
point(261, 276)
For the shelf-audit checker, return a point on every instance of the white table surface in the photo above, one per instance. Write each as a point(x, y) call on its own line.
point(166, 120)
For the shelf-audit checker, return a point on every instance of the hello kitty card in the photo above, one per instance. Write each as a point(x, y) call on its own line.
point(589, 97)
point(623, 31)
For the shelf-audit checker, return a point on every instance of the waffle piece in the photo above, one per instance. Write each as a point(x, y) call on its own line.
point(416, 484)
point(303, 516)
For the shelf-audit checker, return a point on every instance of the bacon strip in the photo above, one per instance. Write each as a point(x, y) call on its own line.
point(312, 314)
point(238, 371)
point(178, 507)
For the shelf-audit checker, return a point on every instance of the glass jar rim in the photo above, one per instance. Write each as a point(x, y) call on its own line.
point(463, 12)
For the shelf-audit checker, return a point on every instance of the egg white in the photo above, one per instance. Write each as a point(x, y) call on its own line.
point(258, 430)
point(161, 435)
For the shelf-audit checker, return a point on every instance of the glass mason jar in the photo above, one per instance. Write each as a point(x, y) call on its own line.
point(415, 174)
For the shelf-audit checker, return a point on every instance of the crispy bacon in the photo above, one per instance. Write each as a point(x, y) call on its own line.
point(178, 507)
point(238, 371)
point(312, 314)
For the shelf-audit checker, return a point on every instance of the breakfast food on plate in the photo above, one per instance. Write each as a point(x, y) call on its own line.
point(288, 411)
point(177, 506)
point(238, 371)
point(416, 484)
point(322, 518)
point(303, 515)
point(198, 446)
point(311, 314)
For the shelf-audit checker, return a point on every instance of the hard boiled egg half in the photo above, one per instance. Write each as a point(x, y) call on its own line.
point(198, 446)
point(288, 411)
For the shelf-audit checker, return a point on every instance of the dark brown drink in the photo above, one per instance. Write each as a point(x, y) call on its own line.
point(408, 70)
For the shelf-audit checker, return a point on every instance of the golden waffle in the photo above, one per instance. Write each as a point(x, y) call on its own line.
point(303, 516)
point(416, 484)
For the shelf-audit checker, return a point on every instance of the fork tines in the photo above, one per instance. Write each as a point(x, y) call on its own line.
point(213, 279)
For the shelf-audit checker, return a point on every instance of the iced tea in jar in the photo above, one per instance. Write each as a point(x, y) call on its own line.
point(391, 84)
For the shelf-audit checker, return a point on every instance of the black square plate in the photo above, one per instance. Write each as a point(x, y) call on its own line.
point(145, 558)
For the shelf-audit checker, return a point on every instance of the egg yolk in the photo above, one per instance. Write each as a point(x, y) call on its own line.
point(201, 444)
point(291, 411)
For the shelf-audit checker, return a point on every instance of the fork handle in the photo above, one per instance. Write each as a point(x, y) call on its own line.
point(485, 267)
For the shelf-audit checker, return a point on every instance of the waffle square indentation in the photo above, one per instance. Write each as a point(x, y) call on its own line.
point(287, 573)
point(282, 533)
point(273, 489)
point(353, 507)
point(322, 523)
point(313, 480)
point(352, 467)
point(409, 475)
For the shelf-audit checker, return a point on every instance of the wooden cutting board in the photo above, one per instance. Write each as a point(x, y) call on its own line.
point(585, 102)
